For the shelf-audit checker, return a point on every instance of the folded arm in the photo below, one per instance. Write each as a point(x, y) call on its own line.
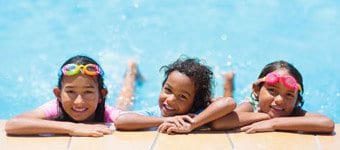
point(241, 116)
point(135, 121)
point(309, 123)
point(218, 108)
point(34, 122)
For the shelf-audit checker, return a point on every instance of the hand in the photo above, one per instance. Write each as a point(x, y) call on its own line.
point(95, 130)
point(179, 120)
point(177, 124)
point(171, 128)
point(261, 126)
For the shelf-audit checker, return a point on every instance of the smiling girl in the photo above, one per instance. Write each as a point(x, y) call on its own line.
point(276, 104)
point(79, 108)
point(184, 101)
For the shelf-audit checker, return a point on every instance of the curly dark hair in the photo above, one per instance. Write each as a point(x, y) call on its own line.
point(281, 64)
point(83, 60)
point(197, 72)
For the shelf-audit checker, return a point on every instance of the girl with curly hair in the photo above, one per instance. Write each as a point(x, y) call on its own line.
point(185, 101)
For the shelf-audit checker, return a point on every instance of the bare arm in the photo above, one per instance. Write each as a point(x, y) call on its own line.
point(241, 116)
point(134, 121)
point(218, 108)
point(309, 123)
point(33, 122)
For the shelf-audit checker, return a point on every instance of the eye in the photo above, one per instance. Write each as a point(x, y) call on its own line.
point(272, 91)
point(167, 90)
point(290, 95)
point(88, 92)
point(183, 97)
point(70, 92)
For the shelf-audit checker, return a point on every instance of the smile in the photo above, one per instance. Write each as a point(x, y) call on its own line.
point(79, 109)
point(276, 108)
point(167, 108)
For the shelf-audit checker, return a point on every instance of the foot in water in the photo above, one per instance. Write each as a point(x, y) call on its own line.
point(134, 71)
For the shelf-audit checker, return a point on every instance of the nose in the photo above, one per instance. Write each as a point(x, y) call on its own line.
point(79, 99)
point(279, 100)
point(171, 99)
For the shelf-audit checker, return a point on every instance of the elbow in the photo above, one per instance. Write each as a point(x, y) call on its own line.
point(217, 125)
point(328, 125)
point(123, 123)
point(228, 104)
point(11, 126)
point(119, 123)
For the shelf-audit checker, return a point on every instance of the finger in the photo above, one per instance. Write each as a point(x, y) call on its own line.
point(182, 122)
point(161, 128)
point(106, 131)
point(189, 119)
point(245, 128)
point(171, 130)
point(97, 134)
point(250, 131)
point(164, 127)
point(177, 123)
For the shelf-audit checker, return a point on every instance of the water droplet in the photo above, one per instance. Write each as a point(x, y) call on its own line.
point(338, 94)
point(20, 79)
point(229, 61)
point(224, 37)
point(136, 5)
point(123, 17)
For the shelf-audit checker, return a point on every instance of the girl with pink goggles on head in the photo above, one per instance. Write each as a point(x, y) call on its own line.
point(274, 77)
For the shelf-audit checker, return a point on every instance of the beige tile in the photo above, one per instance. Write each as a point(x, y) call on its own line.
point(2, 128)
point(330, 141)
point(36, 143)
point(194, 141)
point(118, 140)
point(31, 142)
point(273, 140)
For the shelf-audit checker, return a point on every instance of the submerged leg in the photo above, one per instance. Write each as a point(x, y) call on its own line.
point(126, 96)
point(228, 84)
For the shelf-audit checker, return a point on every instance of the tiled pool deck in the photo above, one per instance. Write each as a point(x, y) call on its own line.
point(144, 140)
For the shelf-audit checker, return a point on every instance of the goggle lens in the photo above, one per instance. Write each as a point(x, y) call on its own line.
point(74, 69)
point(288, 81)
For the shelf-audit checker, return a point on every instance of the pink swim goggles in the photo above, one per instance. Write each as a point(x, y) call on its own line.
point(287, 80)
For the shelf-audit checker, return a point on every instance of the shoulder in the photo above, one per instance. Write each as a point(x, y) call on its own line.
point(246, 106)
point(111, 114)
point(151, 111)
point(301, 112)
point(50, 109)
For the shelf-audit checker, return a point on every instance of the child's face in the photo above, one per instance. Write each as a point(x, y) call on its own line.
point(277, 100)
point(177, 95)
point(80, 97)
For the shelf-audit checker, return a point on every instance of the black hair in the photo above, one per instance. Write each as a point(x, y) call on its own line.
point(83, 60)
point(200, 74)
point(281, 64)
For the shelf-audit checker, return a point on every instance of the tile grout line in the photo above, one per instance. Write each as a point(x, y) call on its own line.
point(69, 143)
point(317, 141)
point(154, 141)
point(229, 139)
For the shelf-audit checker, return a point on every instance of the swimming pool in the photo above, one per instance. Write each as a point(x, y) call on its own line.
point(243, 36)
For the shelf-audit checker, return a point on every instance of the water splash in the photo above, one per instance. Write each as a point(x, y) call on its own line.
point(224, 37)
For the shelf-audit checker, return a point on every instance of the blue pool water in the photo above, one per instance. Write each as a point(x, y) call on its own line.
point(36, 37)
